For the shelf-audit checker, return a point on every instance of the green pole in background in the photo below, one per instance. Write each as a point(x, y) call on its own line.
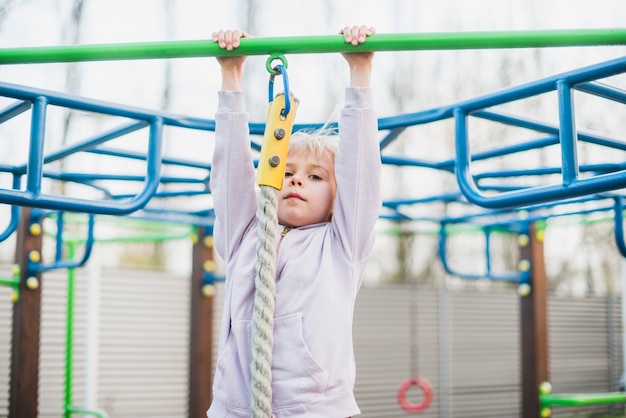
point(69, 329)
point(316, 45)
point(69, 409)
point(583, 399)
point(14, 282)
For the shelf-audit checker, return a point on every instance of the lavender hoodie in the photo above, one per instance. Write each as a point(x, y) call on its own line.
point(319, 271)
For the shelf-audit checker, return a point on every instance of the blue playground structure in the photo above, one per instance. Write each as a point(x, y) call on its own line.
point(510, 198)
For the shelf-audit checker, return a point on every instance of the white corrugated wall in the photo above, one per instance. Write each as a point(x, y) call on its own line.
point(142, 349)
point(467, 347)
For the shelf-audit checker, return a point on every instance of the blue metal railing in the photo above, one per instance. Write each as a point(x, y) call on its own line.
point(38, 101)
point(571, 186)
point(473, 188)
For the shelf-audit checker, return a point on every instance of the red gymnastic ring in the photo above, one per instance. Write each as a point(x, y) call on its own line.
point(422, 384)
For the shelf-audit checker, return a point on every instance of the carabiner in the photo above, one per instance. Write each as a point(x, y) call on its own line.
point(282, 70)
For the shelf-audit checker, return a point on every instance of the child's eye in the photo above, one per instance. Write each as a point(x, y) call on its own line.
point(288, 174)
point(315, 177)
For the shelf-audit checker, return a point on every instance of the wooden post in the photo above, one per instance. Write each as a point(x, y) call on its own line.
point(534, 326)
point(201, 339)
point(24, 380)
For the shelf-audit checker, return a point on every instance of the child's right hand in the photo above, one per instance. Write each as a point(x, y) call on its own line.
point(229, 39)
point(231, 64)
point(360, 63)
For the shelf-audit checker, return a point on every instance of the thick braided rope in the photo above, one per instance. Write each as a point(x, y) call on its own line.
point(263, 315)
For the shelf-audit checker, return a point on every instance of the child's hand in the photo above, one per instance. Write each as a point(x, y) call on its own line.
point(360, 63)
point(229, 40)
point(357, 34)
point(232, 64)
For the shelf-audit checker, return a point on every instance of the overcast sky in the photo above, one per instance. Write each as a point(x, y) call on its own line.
point(45, 22)
point(432, 78)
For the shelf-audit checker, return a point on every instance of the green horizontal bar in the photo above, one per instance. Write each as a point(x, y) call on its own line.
point(583, 399)
point(10, 282)
point(73, 410)
point(315, 45)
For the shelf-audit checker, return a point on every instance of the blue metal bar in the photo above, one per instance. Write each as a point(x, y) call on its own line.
point(91, 143)
point(507, 276)
point(64, 203)
point(449, 165)
point(510, 218)
point(620, 241)
point(515, 148)
point(165, 194)
point(607, 181)
point(390, 137)
point(487, 234)
point(444, 198)
point(199, 218)
point(59, 238)
point(603, 90)
point(59, 262)
point(550, 129)
point(85, 178)
point(542, 171)
point(573, 78)
point(35, 160)
point(571, 186)
point(542, 194)
point(14, 110)
point(411, 162)
point(28, 198)
point(97, 106)
point(142, 156)
point(12, 225)
point(15, 215)
point(567, 137)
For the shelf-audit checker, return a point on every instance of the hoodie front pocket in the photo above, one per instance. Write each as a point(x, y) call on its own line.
point(297, 377)
point(233, 367)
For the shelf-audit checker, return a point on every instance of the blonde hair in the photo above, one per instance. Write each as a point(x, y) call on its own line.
point(315, 140)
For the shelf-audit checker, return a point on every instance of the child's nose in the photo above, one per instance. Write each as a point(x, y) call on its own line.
point(295, 181)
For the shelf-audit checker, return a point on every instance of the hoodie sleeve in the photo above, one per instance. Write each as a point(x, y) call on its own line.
point(232, 179)
point(357, 171)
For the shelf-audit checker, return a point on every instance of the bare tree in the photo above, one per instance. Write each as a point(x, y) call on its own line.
point(73, 75)
point(5, 9)
point(169, 8)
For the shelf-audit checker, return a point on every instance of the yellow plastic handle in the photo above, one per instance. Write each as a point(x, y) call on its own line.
point(273, 158)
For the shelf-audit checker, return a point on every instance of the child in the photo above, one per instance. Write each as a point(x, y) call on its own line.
point(327, 210)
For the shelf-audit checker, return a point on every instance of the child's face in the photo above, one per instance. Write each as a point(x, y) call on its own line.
point(308, 190)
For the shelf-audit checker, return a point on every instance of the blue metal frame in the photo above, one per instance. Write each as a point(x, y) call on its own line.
point(611, 177)
point(501, 198)
point(38, 100)
point(518, 222)
point(619, 225)
point(571, 186)
point(14, 220)
point(488, 273)
point(35, 267)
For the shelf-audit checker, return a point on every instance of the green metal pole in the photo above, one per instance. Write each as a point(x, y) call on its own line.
point(69, 334)
point(9, 282)
point(69, 343)
point(14, 282)
point(583, 399)
point(316, 45)
point(99, 414)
